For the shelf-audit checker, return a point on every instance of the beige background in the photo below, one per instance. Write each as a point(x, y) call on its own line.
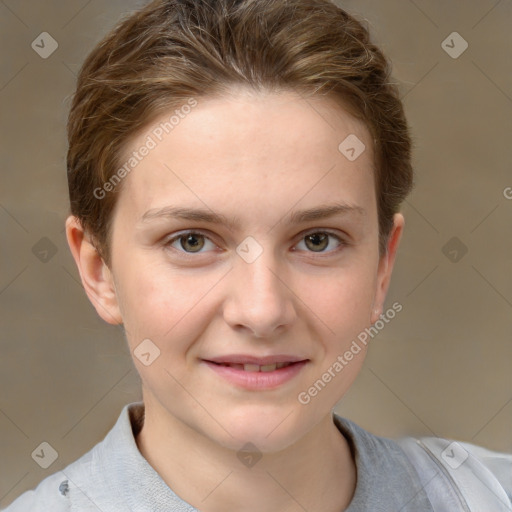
point(441, 367)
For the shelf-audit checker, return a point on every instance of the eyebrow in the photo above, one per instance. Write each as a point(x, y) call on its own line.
point(200, 214)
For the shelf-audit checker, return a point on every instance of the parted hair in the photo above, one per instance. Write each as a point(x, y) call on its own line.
point(158, 57)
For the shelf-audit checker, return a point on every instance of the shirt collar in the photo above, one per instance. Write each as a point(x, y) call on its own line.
point(385, 478)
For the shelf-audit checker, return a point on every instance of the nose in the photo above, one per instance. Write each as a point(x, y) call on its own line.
point(259, 299)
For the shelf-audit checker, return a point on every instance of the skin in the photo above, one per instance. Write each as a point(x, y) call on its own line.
point(258, 158)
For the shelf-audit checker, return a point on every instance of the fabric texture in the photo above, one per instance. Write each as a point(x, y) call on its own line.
point(114, 476)
point(461, 476)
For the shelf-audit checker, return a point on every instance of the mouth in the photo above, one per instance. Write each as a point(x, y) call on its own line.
point(253, 373)
point(250, 367)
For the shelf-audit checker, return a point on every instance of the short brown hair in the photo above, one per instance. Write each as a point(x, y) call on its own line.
point(171, 50)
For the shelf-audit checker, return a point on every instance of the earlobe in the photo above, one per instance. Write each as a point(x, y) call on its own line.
point(386, 265)
point(96, 277)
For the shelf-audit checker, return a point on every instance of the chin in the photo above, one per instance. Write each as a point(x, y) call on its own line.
point(269, 431)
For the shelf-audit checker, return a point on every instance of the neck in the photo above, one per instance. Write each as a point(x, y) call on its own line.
point(317, 473)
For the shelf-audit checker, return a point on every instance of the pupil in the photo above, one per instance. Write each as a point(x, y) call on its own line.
point(192, 237)
point(318, 238)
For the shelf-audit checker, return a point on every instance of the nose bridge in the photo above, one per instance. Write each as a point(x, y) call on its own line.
point(259, 300)
point(262, 276)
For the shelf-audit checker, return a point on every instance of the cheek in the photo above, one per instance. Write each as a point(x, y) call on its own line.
point(162, 305)
point(343, 300)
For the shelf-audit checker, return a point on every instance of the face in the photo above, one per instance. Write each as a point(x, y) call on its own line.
point(264, 284)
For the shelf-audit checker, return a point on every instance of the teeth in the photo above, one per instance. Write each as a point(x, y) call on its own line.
point(251, 368)
point(257, 368)
point(236, 366)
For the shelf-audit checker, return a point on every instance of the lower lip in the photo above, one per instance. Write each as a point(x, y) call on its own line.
point(257, 380)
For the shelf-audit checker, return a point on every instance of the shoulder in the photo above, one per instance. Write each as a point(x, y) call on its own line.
point(499, 464)
point(87, 481)
point(476, 475)
point(454, 475)
point(54, 492)
point(50, 494)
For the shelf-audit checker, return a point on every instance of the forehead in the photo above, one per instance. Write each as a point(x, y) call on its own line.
point(271, 149)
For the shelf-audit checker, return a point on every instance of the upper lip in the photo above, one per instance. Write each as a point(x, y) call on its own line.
point(261, 361)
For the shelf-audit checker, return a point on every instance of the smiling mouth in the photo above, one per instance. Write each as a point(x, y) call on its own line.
point(257, 374)
point(254, 367)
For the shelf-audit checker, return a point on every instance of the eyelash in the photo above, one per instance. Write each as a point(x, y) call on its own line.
point(185, 254)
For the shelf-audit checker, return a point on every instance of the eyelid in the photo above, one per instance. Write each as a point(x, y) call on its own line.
point(343, 242)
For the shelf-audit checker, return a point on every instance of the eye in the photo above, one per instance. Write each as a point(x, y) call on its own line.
point(191, 242)
point(318, 241)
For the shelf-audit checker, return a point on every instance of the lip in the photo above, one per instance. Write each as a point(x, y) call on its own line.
point(250, 359)
point(257, 381)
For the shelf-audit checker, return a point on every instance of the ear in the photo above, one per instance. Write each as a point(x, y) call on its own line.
point(386, 263)
point(96, 277)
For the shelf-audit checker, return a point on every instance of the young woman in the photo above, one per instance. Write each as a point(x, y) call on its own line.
point(236, 170)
